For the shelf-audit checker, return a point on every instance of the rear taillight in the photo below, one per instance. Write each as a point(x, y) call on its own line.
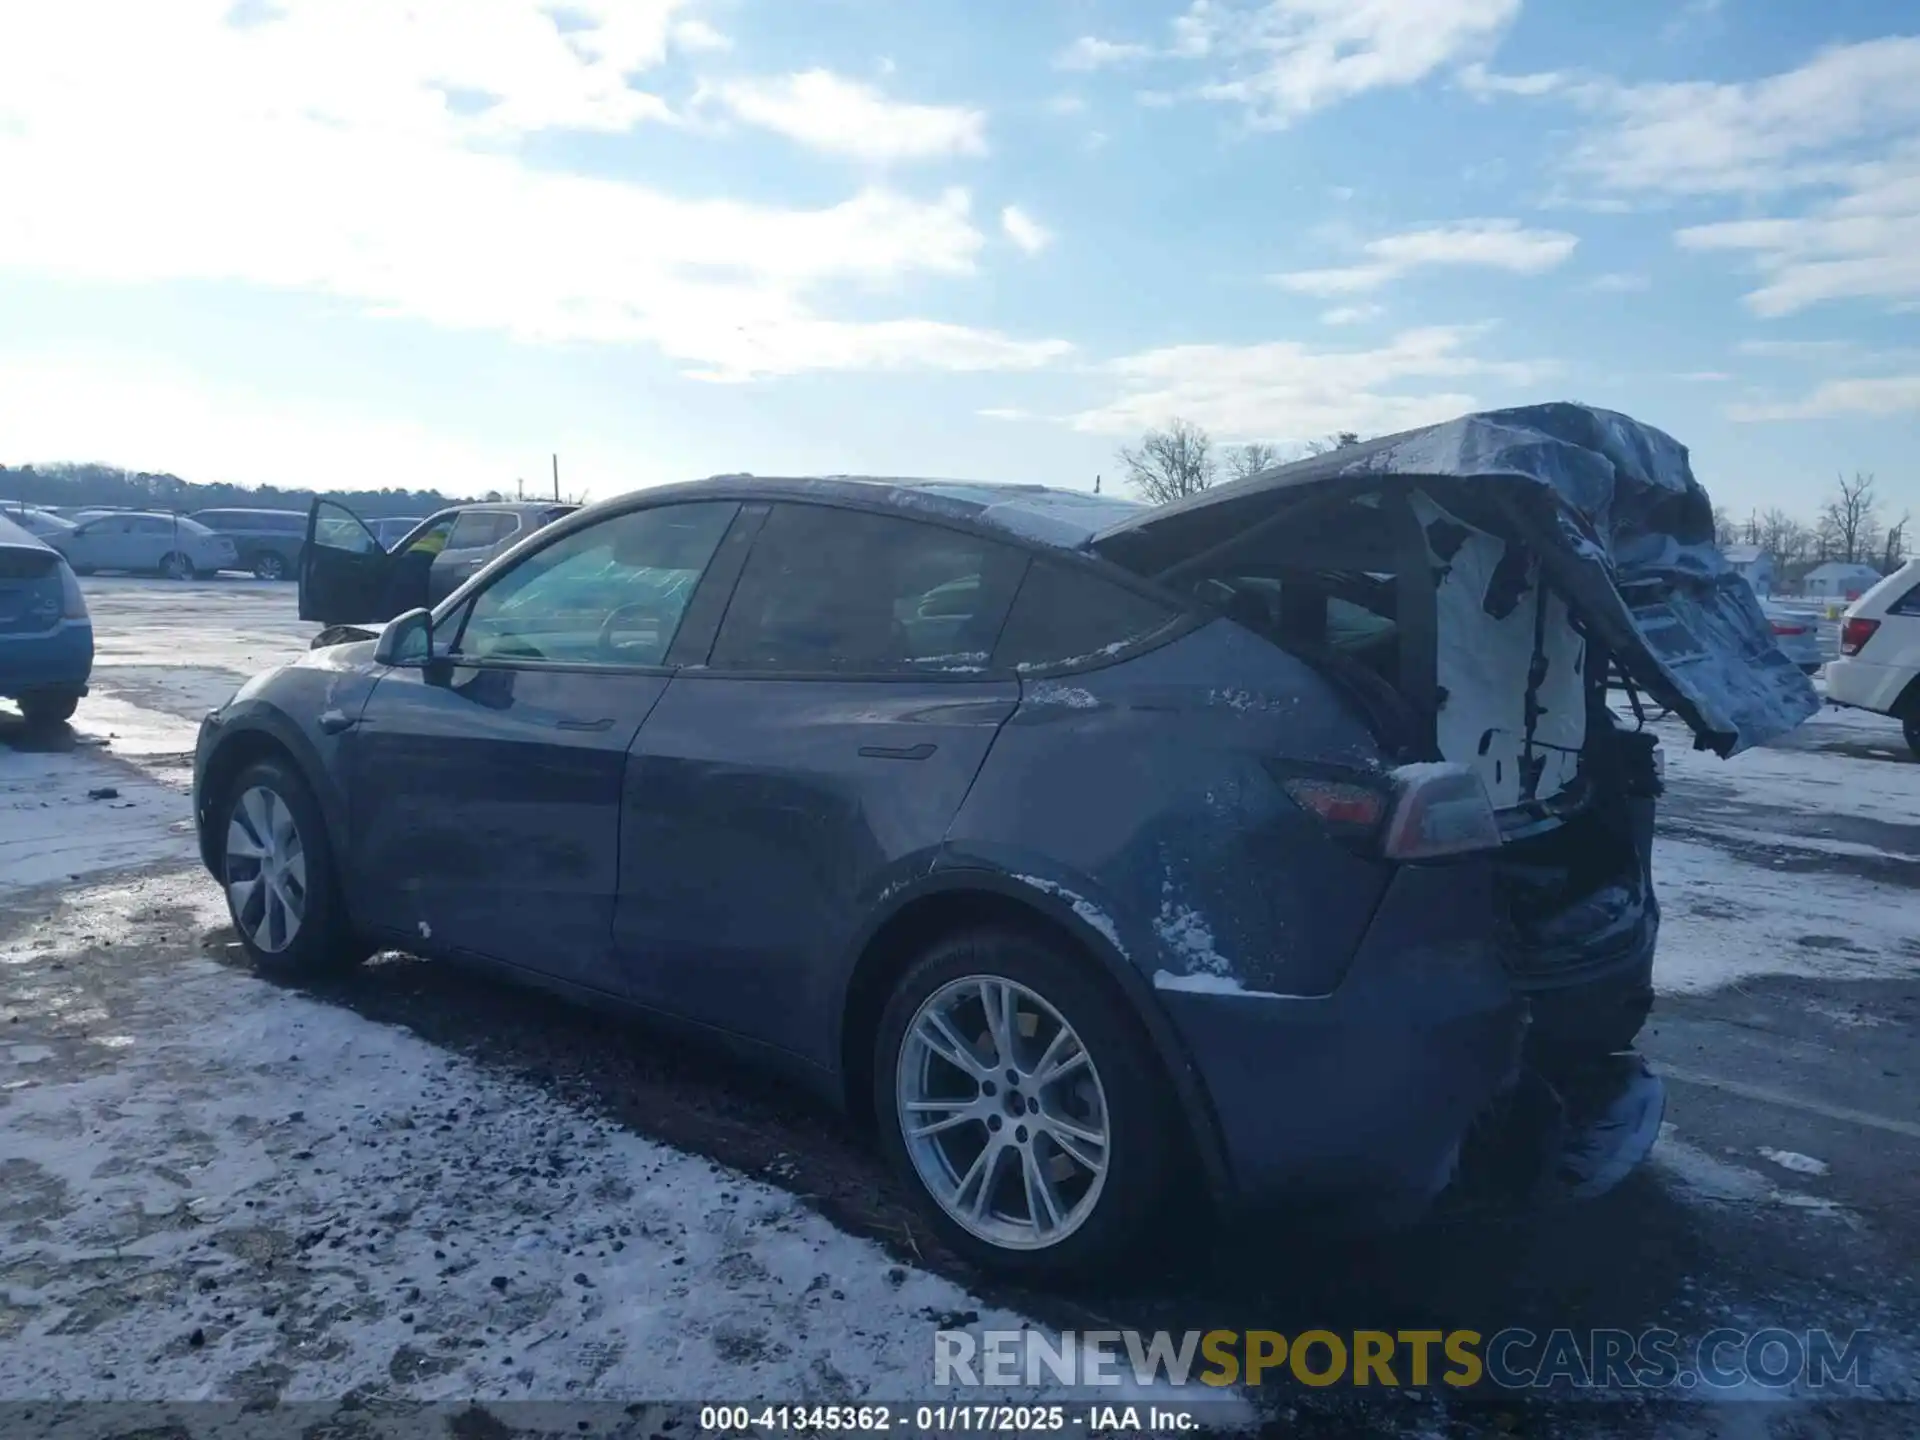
point(1439, 809)
point(1423, 812)
point(72, 603)
point(1351, 811)
point(1780, 628)
point(1856, 633)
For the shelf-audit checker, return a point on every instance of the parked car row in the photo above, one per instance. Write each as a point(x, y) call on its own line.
point(1275, 842)
point(270, 544)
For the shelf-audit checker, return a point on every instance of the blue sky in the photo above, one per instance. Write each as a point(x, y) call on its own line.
point(326, 243)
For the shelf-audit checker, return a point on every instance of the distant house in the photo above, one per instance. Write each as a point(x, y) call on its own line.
point(1840, 580)
point(1753, 563)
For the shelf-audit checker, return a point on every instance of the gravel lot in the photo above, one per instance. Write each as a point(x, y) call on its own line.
point(424, 1185)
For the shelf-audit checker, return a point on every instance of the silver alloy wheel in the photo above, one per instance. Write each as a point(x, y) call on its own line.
point(266, 870)
point(176, 566)
point(1003, 1113)
point(269, 567)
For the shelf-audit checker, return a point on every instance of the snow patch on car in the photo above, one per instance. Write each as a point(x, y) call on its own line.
point(1071, 696)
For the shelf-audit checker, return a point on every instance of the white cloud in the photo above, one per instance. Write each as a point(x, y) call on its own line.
point(1835, 141)
point(698, 36)
point(1759, 137)
point(1289, 392)
point(1882, 395)
point(323, 155)
point(1351, 314)
point(1288, 58)
point(1091, 53)
point(1023, 230)
point(1863, 244)
point(1618, 282)
point(828, 112)
point(1486, 244)
point(1479, 81)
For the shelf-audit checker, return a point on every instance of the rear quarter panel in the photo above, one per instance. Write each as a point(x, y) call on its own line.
point(1145, 797)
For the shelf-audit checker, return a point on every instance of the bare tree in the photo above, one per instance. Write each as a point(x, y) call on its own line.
point(1250, 459)
point(1339, 440)
point(1171, 463)
point(1895, 553)
point(1848, 519)
point(1724, 533)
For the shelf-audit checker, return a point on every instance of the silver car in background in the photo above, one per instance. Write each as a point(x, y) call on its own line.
point(144, 542)
point(1797, 633)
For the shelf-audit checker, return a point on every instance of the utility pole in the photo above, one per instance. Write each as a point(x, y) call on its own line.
point(1096, 484)
point(556, 479)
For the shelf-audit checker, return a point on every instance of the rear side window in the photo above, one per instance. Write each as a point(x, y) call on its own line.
point(1065, 616)
point(830, 590)
point(1907, 604)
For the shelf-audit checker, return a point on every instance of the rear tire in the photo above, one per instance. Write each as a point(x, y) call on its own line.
point(995, 1161)
point(276, 866)
point(1910, 726)
point(49, 707)
point(269, 566)
point(175, 566)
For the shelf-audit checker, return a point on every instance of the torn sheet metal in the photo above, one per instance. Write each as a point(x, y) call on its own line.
point(1612, 508)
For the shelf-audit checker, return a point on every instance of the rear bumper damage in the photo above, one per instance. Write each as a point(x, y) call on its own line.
point(1574, 1138)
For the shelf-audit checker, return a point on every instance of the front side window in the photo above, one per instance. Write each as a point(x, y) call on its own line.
point(611, 594)
point(830, 590)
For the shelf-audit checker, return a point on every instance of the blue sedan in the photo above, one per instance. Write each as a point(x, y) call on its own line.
point(46, 635)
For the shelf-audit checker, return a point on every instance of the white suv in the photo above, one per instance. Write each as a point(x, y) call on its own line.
point(1879, 664)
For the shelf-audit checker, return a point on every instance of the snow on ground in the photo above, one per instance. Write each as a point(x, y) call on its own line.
point(65, 815)
point(256, 1191)
point(1717, 1181)
point(136, 730)
point(1793, 778)
point(1724, 918)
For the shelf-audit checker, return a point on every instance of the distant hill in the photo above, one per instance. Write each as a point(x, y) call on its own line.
point(77, 485)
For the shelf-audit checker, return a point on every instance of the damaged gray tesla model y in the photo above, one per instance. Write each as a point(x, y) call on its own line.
point(1283, 839)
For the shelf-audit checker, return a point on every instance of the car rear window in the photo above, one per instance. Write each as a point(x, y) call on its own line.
point(1065, 615)
point(1907, 604)
point(828, 590)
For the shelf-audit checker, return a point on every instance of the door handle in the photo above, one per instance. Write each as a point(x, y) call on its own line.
point(899, 752)
point(337, 722)
point(604, 723)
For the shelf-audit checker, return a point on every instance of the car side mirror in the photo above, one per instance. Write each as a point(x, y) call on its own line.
point(407, 641)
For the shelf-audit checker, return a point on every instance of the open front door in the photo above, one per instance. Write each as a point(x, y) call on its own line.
point(343, 569)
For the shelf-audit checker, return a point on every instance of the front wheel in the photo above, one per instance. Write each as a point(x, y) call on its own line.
point(175, 566)
point(1911, 726)
point(1012, 1095)
point(277, 869)
point(49, 707)
point(269, 566)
